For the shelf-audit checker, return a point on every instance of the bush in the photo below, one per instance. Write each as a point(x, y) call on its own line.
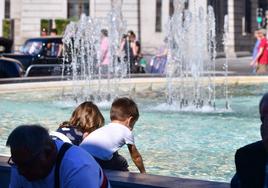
point(61, 25)
point(46, 24)
point(7, 28)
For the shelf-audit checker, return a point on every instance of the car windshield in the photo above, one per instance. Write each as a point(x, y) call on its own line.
point(32, 47)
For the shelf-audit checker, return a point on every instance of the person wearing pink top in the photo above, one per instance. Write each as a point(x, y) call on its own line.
point(104, 51)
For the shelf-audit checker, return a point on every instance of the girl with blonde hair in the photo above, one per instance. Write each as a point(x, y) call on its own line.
point(85, 119)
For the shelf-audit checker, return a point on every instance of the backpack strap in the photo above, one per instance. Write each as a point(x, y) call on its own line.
point(104, 183)
point(60, 155)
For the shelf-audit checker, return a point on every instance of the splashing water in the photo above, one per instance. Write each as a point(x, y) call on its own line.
point(190, 70)
point(82, 50)
point(225, 67)
point(191, 60)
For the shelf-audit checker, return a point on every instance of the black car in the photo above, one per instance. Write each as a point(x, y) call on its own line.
point(38, 57)
point(5, 45)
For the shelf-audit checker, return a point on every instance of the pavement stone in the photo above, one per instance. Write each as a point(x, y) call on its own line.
point(236, 66)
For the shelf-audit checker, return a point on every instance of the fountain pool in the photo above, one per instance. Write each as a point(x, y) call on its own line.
point(194, 144)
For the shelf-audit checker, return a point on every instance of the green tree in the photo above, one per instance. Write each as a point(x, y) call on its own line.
point(7, 28)
point(61, 25)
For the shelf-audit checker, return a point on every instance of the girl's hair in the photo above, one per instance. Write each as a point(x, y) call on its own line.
point(86, 118)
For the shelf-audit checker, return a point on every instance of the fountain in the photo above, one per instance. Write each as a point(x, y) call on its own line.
point(193, 144)
point(83, 52)
point(225, 43)
point(191, 60)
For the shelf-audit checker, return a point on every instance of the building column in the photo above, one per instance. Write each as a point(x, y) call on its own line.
point(15, 14)
point(65, 8)
point(92, 8)
point(2, 15)
point(231, 27)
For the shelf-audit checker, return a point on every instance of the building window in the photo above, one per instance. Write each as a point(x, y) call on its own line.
point(7, 9)
point(77, 7)
point(158, 21)
point(248, 16)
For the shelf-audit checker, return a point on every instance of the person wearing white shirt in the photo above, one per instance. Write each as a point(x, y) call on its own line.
point(105, 142)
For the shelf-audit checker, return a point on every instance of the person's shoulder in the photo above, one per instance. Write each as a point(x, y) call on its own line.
point(253, 145)
point(118, 126)
point(59, 136)
point(72, 133)
point(76, 153)
point(76, 161)
point(251, 148)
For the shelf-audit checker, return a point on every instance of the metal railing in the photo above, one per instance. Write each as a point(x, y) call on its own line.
point(41, 66)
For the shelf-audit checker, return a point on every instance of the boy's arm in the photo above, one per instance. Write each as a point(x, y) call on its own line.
point(136, 157)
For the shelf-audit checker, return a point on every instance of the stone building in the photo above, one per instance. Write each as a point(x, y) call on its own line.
point(146, 18)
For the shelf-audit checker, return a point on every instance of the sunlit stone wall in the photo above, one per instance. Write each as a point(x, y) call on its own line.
point(100, 9)
point(28, 14)
point(2, 15)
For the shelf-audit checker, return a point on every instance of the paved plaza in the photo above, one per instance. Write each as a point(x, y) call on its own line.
point(236, 66)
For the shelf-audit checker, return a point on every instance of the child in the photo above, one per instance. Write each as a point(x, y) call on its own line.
point(85, 119)
point(104, 143)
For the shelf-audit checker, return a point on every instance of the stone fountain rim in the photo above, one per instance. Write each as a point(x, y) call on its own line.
point(137, 82)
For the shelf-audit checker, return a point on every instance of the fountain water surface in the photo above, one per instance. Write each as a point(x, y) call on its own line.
point(186, 144)
point(192, 52)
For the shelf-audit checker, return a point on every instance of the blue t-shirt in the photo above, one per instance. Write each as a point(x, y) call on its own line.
point(78, 169)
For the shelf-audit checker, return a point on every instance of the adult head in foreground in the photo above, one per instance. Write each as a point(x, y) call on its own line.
point(39, 161)
point(251, 160)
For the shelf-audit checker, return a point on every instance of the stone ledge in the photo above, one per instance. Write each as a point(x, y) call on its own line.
point(138, 83)
point(128, 179)
point(131, 180)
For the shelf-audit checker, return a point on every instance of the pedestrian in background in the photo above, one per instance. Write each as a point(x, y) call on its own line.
point(43, 32)
point(261, 59)
point(132, 52)
point(104, 51)
point(159, 61)
point(53, 32)
point(255, 49)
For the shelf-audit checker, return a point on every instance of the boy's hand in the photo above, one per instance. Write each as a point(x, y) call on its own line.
point(136, 157)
